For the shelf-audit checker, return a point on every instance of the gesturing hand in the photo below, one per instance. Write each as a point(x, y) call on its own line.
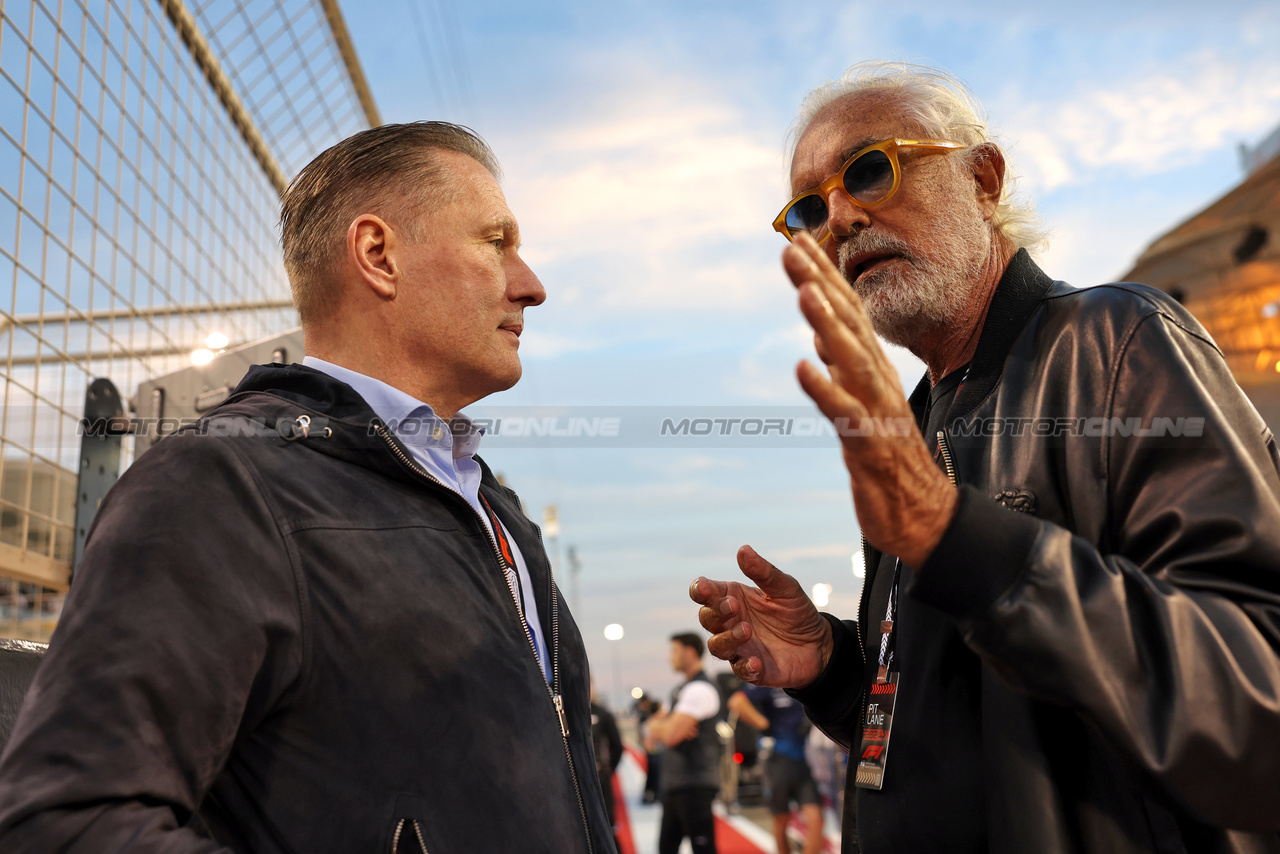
point(903, 500)
point(772, 635)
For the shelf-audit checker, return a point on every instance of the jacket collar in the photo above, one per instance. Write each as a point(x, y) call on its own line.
point(343, 424)
point(306, 387)
point(1018, 295)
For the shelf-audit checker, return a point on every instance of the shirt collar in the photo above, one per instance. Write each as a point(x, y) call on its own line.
point(412, 421)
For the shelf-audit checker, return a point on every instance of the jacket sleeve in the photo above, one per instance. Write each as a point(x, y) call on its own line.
point(182, 629)
point(1165, 638)
point(834, 701)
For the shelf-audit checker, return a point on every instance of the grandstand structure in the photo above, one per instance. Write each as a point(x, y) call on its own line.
point(144, 145)
point(1223, 263)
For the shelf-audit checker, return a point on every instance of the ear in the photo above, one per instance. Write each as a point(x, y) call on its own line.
point(372, 247)
point(988, 174)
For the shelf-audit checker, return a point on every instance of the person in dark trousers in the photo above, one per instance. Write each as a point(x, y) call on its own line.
point(608, 746)
point(691, 761)
point(1069, 633)
point(645, 708)
point(779, 716)
point(314, 620)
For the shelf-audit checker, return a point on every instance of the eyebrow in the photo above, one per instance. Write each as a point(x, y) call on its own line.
point(849, 152)
point(855, 148)
point(509, 229)
point(846, 154)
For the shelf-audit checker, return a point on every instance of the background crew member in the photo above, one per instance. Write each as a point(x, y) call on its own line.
point(691, 762)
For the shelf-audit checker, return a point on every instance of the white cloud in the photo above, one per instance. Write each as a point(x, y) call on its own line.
point(767, 370)
point(544, 346)
point(1153, 124)
point(826, 550)
point(691, 464)
point(1099, 243)
point(656, 197)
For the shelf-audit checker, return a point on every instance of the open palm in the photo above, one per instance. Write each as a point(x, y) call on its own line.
point(771, 634)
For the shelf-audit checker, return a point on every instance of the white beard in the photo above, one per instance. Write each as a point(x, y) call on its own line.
point(928, 288)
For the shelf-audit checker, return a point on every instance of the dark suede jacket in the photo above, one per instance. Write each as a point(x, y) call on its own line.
point(289, 643)
point(1117, 578)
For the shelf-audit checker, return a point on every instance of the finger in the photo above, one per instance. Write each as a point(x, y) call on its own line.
point(812, 265)
point(852, 364)
point(704, 591)
point(857, 364)
point(747, 669)
point(840, 325)
point(820, 348)
point(807, 255)
point(720, 618)
point(802, 270)
point(845, 302)
point(725, 644)
point(809, 264)
point(817, 254)
point(767, 577)
point(832, 400)
point(838, 336)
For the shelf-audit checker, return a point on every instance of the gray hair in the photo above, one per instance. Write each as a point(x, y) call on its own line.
point(388, 171)
point(945, 109)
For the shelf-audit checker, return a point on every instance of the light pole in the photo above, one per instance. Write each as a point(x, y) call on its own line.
point(575, 569)
point(551, 531)
point(613, 633)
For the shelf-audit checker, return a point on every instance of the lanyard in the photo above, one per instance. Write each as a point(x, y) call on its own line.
point(504, 550)
point(882, 698)
point(507, 555)
point(886, 627)
point(882, 694)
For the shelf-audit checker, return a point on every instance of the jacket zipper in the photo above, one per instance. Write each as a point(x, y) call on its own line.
point(558, 701)
point(863, 600)
point(553, 689)
point(946, 457)
point(417, 829)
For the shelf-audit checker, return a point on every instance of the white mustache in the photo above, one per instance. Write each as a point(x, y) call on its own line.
point(870, 241)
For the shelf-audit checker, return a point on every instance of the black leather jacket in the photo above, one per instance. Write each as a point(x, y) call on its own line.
point(1118, 580)
point(301, 645)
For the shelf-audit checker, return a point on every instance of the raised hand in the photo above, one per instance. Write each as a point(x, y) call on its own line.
point(903, 501)
point(771, 634)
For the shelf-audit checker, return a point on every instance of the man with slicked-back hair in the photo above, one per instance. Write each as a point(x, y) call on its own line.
point(315, 621)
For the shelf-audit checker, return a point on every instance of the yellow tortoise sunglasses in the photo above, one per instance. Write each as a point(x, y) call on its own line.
point(868, 179)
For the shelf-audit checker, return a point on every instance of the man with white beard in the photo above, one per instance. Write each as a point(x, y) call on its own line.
point(1068, 633)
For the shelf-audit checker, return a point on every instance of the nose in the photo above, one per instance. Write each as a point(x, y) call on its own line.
point(523, 285)
point(843, 216)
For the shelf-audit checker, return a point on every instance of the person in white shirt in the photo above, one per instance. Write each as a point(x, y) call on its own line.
point(690, 766)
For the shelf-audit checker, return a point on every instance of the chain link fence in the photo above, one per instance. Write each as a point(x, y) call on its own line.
point(137, 218)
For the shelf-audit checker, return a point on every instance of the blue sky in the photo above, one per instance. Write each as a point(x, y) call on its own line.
point(643, 144)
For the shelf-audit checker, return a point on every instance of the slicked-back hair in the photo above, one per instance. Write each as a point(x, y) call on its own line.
point(389, 171)
point(945, 109)
point(691, 640)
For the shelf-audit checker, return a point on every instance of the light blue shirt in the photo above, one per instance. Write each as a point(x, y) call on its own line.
point(447, 453)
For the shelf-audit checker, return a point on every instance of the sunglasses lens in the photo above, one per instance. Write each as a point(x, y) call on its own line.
point(869, 178)
point(807, 214)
